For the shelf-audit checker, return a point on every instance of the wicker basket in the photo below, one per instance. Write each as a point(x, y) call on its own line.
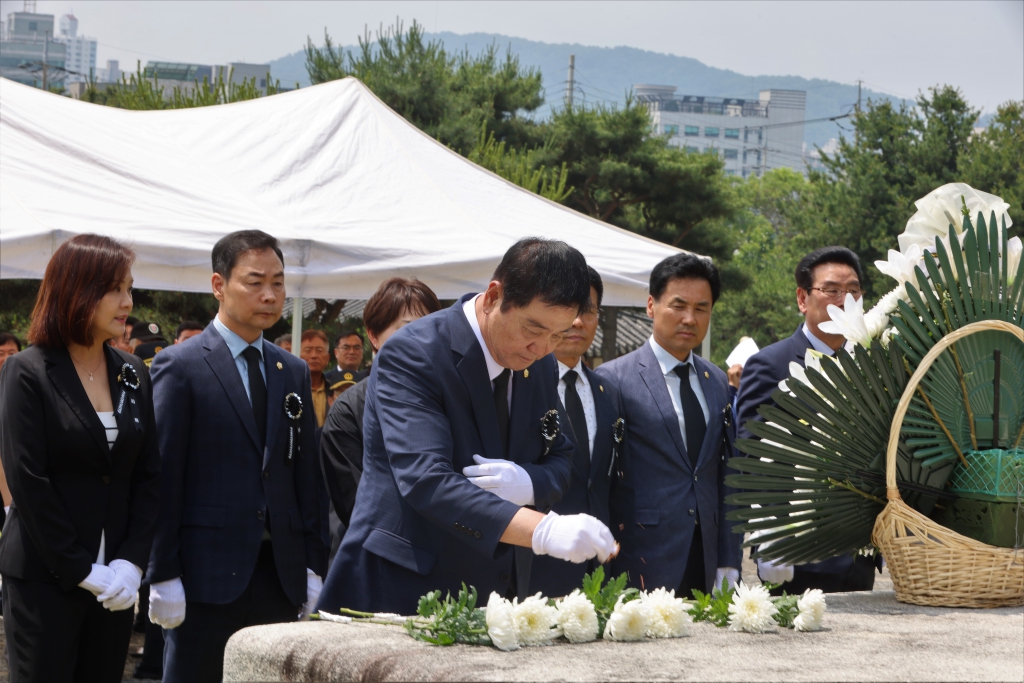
point(930, 564)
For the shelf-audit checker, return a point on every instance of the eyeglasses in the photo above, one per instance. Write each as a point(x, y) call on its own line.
point(836, 294)
point(346, 347)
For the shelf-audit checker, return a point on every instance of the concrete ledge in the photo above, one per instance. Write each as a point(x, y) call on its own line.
point(870, 637)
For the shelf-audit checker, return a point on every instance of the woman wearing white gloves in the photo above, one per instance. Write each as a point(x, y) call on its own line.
point(77, 438)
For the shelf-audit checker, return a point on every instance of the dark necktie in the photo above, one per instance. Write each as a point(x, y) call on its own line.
point(501, 406)
point(693, 414)
point(578, 422)
point(257, 391)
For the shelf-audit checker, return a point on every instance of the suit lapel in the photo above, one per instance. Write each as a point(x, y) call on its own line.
point(605, 417)
point(223, 365)
point(716, 403)
point(800, 344)
point(62, 373)
point(519, 417)
point(275, 398)
point(473, 369)
point(650, 372)
point(125, 422)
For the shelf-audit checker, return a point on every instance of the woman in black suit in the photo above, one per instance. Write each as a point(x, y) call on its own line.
point(78, 444)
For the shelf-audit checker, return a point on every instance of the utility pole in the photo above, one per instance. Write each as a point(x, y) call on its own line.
point(859, 83)
point(572, 81)
point(46, 61)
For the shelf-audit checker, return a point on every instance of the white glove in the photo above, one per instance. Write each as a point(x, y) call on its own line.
point(167, 603)
point(314, 584)
point(503, 478)
point(730, 573)
point(120, 594)
point(774, 571)
point(98, 580)
point(575, 538)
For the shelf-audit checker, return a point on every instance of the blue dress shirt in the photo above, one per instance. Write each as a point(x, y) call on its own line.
point(236, 345)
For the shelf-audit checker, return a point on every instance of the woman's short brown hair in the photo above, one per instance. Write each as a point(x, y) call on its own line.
point(79, 274)
point(394, 296)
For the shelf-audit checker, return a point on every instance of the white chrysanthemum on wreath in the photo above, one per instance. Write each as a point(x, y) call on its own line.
point(628, 621)
point(942, 207)
point(851, 322)
point(751, 610)
point(666, 614)
point(812, 610)
point(536, 620)
point(501, 624)
point(577, 618)
point(902, 266)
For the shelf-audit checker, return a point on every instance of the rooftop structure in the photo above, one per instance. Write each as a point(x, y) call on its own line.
point(80, 56)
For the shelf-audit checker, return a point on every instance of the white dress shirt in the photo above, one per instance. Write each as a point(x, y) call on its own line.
point(668, 364)
point(816, 343)
point(236, 345)
point(586, 397)
point(493, 367)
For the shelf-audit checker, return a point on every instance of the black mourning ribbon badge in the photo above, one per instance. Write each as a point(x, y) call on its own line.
point(550, 425)
point(293, 411)
point(618, 434)
point(129, 381)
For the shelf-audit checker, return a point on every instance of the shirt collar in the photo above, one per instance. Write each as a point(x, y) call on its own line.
point(235, 343)
point(667, 361)
point(818, 345)
point(493, 368)
point(563, 368)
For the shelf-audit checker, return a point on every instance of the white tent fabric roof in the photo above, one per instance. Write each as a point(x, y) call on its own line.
point(354, 192)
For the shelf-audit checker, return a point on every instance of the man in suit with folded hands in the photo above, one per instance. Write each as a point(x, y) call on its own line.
point(589, 415)
point(461, 455)
point(238, 539)
point(670, 504)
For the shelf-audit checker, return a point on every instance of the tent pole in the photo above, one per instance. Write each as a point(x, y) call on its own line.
point(296, 325)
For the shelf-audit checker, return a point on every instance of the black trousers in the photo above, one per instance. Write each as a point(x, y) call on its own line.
point(859, 576)
point(194, 652)
point(694, 576)
point(55, 635)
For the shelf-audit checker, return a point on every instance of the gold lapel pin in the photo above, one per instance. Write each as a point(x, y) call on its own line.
point(280, 366)
point(601, 387)
point(526, 373)
point(706, 375)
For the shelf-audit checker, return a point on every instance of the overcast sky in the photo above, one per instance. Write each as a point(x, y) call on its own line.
point(895, 47)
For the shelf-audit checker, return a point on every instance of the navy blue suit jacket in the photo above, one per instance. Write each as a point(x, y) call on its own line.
point(419, 524)
point(218, 482)
point(760, 379)
point(588, 494)
point(655, 506)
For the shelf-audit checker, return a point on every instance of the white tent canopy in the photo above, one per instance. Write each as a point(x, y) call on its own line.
point(354, 192)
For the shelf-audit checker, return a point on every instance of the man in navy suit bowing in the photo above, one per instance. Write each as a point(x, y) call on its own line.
point(462, 454)
point(823, 277)
point(679, 434)
point(238, 540)
point(589, 415)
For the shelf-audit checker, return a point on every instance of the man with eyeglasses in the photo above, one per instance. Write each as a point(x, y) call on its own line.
point(823, 277)
point(348, 351)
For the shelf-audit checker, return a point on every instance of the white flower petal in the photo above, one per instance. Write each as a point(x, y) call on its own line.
point(577, 618)
point(666, 614)
point(501, 625)
point(536, 621)
point(812, 610)
point(751, 609)
point(628, 622)
point(941, 207)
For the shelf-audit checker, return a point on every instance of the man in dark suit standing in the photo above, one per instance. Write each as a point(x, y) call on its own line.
point(823, 277)
point(462, 451)
point(679, 434)
point(589, 415)
point(239, 540)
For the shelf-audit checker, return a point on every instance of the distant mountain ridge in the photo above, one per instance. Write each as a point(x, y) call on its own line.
point(606, 74)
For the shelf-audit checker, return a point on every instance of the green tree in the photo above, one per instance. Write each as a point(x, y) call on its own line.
point(137, 92)
point(521, 167)
point(448, 96)
point(624, 174)
point(897, 156)
point(994, 161)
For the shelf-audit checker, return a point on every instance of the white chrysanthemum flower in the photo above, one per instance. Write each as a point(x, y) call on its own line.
point(812, 610)
point(900, 266)
point(666, 614)
point(577, 618)
point(849, 321)
point(751, 609)
point(536, 621)
point(501, 625)
point(941, 208)
point(628, 621)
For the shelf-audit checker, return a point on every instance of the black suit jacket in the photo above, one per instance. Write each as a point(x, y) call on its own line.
point(68, 486)
point(588, 494)
point(341, 449)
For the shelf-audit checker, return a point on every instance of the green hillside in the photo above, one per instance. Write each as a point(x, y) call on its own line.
point(606, 74)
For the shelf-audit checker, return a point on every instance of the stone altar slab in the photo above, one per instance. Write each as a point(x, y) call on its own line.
point(869, 637)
